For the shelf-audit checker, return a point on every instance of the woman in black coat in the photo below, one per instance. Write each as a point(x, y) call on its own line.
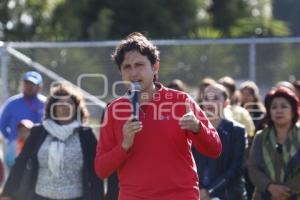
point(57, 161)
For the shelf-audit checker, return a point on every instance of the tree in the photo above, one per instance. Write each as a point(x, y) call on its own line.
point(259, 27)
point(161, 19)
point(224, 14)
point(24, 20)
point(98, 20)
point(288, 11)
point(73, 20)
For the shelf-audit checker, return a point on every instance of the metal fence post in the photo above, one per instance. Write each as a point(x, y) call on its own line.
point(5, 58)
point(252, 61)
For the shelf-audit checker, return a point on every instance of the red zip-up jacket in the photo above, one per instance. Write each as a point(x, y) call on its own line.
point(159, 165)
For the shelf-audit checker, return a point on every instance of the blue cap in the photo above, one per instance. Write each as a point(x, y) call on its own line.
point(33, 77)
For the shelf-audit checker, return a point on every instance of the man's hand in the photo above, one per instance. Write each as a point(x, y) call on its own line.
point(279, 192)
point(130, 128)
point(204, 194)
point(189, 120)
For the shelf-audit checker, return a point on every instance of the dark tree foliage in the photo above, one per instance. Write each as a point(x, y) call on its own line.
point(20, 21)
point(288, 11)
point(226, 13)
point(161, 19)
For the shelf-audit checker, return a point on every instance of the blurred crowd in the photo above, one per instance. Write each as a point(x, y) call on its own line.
point(264, 164)
point(260, 138)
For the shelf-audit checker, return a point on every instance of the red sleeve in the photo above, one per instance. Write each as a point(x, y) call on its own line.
point(207, 141)
point(110, 153)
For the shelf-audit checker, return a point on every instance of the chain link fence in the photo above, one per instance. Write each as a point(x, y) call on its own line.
point(88, 64)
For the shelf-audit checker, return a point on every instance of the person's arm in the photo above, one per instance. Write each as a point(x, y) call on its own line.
point(95, 188)
point(110, 153)
point(4, 120)
point(206, 140)
point(294, 184)
point(259, 179)
point(16, 171)
point(248, 123)
point(236, 162)
point(112, 187)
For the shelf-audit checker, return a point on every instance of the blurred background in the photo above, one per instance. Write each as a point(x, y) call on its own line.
point(246, 39)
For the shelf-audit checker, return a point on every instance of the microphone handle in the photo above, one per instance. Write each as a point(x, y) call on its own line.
point(135, 105)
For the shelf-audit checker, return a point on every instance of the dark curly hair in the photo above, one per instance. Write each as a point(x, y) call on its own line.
point(62, 91)
point(286, 93)
point(135, 41)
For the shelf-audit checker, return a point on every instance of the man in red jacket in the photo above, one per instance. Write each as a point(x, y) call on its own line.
point(152, 155)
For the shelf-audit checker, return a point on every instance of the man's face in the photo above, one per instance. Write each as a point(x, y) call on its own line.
point(213, 102)
point(30, 89)
point(137, 67)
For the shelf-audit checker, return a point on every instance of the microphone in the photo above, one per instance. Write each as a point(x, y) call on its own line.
point(135, 93)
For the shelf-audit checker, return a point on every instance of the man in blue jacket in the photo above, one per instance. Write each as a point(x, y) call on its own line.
point(27, 105)
point(221, 178)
